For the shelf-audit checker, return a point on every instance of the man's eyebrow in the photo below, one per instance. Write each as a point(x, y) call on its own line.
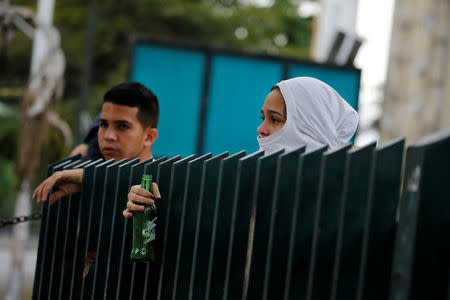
point(121, 122)
point(116, 121)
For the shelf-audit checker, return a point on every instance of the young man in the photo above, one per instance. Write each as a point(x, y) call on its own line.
point(128, 122)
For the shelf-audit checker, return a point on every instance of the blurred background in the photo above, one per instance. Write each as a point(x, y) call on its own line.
point(57, 58)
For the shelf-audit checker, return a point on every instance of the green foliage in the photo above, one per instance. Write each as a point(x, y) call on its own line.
point(211, 22)
point(208, 22)
point(8, 183)
point(9, 130)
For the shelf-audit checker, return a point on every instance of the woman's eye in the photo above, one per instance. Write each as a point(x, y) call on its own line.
point(262, 118)
point(276, 121)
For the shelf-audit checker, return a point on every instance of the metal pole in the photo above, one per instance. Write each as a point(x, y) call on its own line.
point(83, 117)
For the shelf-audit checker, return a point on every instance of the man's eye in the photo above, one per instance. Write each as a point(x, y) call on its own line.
point(123, 126)
point(103, 125)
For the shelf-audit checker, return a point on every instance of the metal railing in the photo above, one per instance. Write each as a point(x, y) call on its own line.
point(318, 225)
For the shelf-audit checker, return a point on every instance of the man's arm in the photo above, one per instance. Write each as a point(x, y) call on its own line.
point(68, 182)
point(138, 196)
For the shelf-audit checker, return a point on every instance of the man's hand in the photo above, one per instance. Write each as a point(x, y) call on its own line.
point(68, 182)
point(139, 195)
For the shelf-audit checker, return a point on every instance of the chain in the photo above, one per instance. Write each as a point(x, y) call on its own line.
point(16, 220)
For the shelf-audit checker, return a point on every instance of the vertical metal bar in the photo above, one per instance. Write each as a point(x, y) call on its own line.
point(351, 222)
point(263, 199)
point(109, 191)
point(82, 230)
point(172, 227)
point(326, 224)
point(87, 70)
point(221, 229)
point(42, 246)
point(404, 248)
point(299, 257)
point(384, 191)
point(285, 72)
point(126, 266)
point(163, 180)
point(70, 237)
point(240, 227)
point(422, 246)
point(281, 223)
point(62, 207)
point(93, 227)
point(151, 169)
point(191, 211)
point(205, 102)
point(117, 227)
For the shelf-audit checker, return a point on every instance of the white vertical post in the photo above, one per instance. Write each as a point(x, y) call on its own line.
point(335, 15)
point(20, 234)
point(44, 16)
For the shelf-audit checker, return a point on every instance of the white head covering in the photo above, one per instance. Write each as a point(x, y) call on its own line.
point(316, 116)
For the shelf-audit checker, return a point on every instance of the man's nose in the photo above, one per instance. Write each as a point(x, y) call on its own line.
point(110, 134)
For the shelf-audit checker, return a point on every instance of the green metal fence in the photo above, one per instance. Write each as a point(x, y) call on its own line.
point(343, 224)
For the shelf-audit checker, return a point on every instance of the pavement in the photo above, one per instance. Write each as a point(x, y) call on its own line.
point(5, 263)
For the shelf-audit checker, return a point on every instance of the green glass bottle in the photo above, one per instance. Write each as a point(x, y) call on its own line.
point(144, 228)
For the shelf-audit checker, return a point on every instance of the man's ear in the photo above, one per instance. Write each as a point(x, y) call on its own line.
point(150, 136)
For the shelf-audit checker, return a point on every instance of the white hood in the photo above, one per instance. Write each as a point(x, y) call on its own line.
point(316, 115)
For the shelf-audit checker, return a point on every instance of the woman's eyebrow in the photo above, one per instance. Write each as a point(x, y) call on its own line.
point(275, 112)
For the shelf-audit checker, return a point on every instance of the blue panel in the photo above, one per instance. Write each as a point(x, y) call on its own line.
point(176, 77)
point(237, 92)
point(345, 82)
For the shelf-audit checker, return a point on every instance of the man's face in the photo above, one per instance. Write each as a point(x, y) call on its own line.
point(121, 134)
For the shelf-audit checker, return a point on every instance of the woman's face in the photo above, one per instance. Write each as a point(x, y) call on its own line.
point(273, 114)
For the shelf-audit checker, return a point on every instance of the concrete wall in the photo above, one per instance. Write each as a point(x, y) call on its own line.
point(417, 93)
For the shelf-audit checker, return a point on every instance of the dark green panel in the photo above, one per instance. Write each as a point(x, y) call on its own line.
point(221, 226)
point(422, 248)
point(281, 223)
point(62, 209)
point(126, 266)
point(141, 270)
point(384, 191)
point(104, 235)
point(198, 228)
point(326, 223)
point(50, 234)
point(240, 226)
point(82, 230)
point(116, 228)
point(172, 227)
point(151, 169)
point(94, 225)
point(263, 198)
point(46, 235)
point(351, 223)
point(138, 270)
point(43, 229)
point(306, 192)
point(163, 175)
point(70, 237)
point(191, 211)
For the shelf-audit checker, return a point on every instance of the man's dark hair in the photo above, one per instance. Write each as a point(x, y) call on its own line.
point(137, 95)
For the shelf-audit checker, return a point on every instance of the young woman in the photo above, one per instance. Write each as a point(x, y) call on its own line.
point(305, 111)
point(302, 111)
